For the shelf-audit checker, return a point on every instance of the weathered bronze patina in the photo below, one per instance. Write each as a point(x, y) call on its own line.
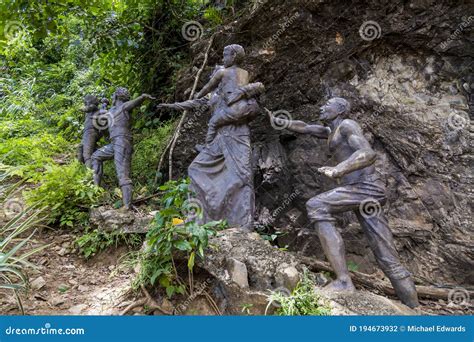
point(361, 190)
point(118, 122)
point(221, 175)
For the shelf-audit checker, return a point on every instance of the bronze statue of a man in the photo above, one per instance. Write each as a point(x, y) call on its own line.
point(221, 175)
point(92, 132)
point(359, 184)
point(120, 149)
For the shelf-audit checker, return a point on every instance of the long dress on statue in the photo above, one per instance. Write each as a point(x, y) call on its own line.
point(221, 175)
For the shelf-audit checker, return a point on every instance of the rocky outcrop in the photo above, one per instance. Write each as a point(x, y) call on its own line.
point(407, 69)
point(117, 220)
point(247, 268)
point(242, 269)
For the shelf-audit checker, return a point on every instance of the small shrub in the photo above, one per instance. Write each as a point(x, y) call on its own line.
point(170, 234)
point(68, 192)
point(31, 154)
point(147, 151)
point(303, 301)
point(96, 241)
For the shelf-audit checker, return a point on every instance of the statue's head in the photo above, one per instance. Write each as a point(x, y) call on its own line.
point(91, 103)
point(121, 94)
point(333, 108)
point(233, 54)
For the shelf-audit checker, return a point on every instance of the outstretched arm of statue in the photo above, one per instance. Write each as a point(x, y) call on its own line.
point(362, 157)
point(300, 126)
point(211, 85)
point(130, 105)
point(186, 105)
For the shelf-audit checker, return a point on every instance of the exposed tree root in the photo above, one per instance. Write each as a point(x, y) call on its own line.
point(383, 286)
point(148, 301)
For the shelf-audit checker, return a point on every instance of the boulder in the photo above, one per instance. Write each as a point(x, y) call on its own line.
point(238, 273)
point(113, 220)
point(245, 268)
point(363, 303)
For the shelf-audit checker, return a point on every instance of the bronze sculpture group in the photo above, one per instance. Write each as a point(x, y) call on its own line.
point(222, 177)
point(117, 122)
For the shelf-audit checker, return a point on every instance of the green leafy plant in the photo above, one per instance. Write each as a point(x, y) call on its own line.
point(303, 300)
point(54, 55)
point(68, 192)
point(213, 15)
point(14, 253)
point(246, 308)
point(147, 151)
point(97, 240)
point(169, 235)
point(30, 155)
point(352, 266)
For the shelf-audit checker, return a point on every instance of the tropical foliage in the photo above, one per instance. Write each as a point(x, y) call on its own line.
point(302, 301)
point(13, 252)
point(175, 230)
point(54, 53)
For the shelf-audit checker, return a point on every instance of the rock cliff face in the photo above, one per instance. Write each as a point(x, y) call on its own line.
point(407, 68)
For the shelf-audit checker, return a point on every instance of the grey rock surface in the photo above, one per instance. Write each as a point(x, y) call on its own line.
point(236, 252)
point(111, 220)
point(408, 89)
point(238, 273)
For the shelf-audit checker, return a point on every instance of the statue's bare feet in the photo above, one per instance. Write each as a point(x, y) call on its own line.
point(340, 285)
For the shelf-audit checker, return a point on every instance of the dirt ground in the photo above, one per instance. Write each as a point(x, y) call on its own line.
point(65, 283)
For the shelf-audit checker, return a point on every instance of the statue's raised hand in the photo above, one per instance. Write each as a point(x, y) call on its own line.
point(164, 105)
point(329, 171)
point(148, 96)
